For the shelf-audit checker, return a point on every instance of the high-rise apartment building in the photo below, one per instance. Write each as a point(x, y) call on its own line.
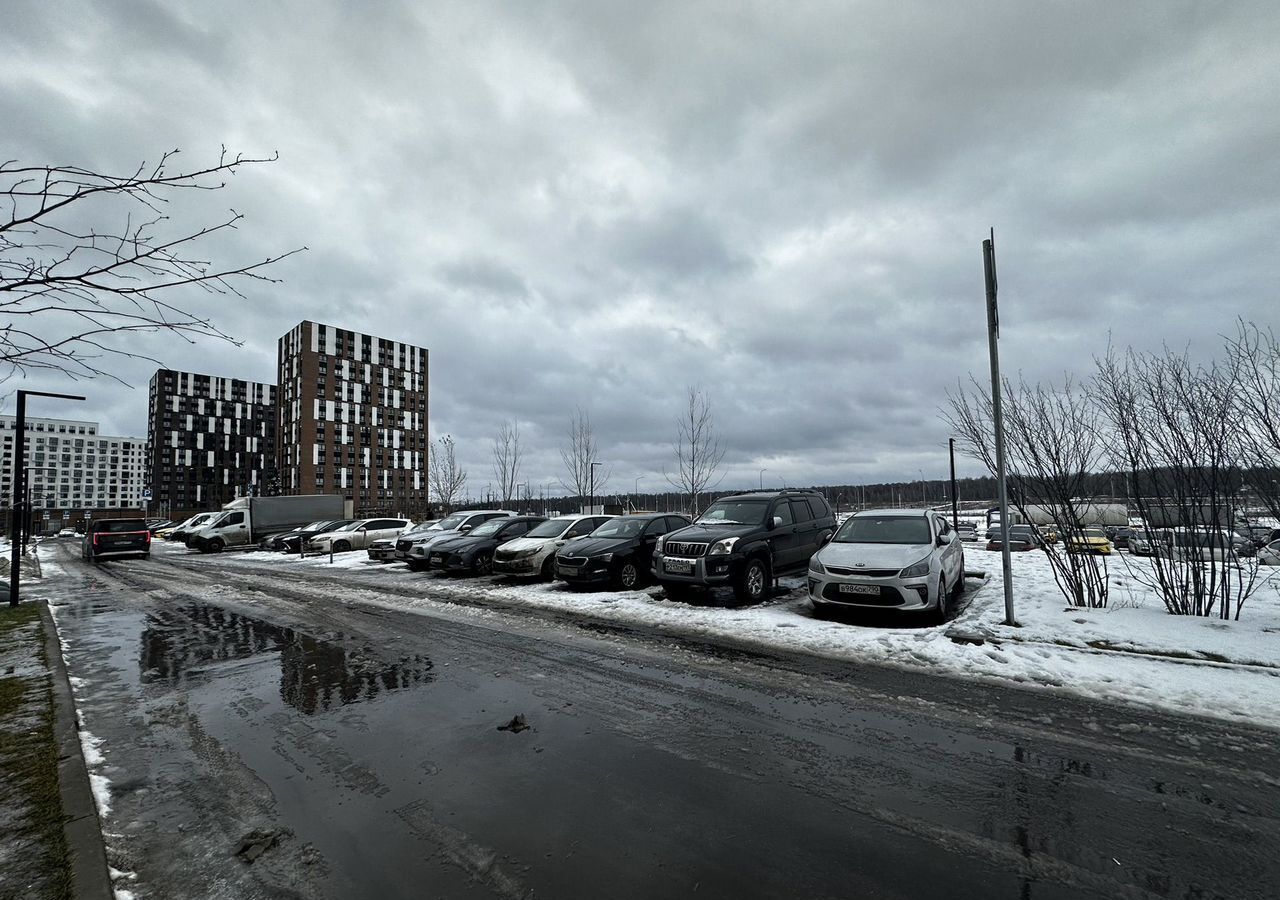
point(70, 466)
point(209, 440)
point(353, 418)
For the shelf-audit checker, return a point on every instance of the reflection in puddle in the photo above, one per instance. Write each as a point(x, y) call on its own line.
point(315, 675)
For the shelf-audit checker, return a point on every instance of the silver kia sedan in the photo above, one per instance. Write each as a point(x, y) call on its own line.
point(908, 559)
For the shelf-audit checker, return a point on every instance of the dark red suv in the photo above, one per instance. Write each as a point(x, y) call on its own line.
point(116, 537)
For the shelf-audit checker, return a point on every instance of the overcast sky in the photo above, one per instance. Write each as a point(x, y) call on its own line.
point(600, 204)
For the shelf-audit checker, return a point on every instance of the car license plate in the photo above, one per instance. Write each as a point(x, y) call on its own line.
point(436, 557)
point(679, 566)
point(568, 570)
point(859, 589)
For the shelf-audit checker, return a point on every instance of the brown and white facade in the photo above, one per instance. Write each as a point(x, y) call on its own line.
point(352, 419)
point(209, 440)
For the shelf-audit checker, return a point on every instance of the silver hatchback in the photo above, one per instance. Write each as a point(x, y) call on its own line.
point(907, 559)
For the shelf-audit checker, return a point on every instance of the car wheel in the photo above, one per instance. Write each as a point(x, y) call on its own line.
point(628, 575)
point(752, 585)
point(341, 546)
point(216, 545)
point(820, 611)
point(940, 613)
point(415, 566)
point(549, 568)
point(482, 564)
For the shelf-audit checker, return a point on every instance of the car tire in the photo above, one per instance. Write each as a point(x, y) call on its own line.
point(627, 577)
point(341, 546)
point(940, 612)
point(482, 564)
point(216, 545)
point(820, 611)
point(549, 568)
point(752, 583)
point(414, 565)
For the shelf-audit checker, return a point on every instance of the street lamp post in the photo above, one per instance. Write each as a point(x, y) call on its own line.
point(591, 499)
point(636, 493)
point(17, 504)
point(519, 484)
point(762, 471)
point(923, 500)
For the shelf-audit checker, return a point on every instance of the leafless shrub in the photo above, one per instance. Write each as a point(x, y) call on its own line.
point(1253, 355)
point(1175, 426)
point(1051, 449)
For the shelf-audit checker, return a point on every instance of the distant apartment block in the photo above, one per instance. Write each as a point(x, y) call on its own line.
point(209, 439)
point(353, 418)
point(70, 466)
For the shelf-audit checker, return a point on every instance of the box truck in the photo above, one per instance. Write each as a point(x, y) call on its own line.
point(247, 520)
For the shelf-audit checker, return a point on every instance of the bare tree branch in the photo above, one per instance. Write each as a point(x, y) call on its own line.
point(697, 450)
point(578, 455)
point(506, 460)
point(84, 290)
point(445, 477)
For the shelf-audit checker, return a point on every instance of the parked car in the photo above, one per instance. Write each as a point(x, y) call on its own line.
point(535, 553)
point(1207, 544)
point(291, 541)
point(1086, 540)
point(247, 521)
point(413, 546)
point(357, 535)
point(154, 525)
point(1260, 535)
point(1269, 554)
point(178, 533)
point(1119, 536)
point(889, 559)
point(104, 538)
point(1143, 542)
point(1049, 533)
point(473, 552)
point(619, 553)
point(745, 541)
point(967, 531)
point(1021, 539)
point(384, 549)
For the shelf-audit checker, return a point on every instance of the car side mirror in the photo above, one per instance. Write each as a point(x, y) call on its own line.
point(774, 522)
point(464, 529)
point(826, 538)
point(942, 540)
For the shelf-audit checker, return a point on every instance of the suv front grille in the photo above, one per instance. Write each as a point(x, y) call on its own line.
point(403, 546)
point(683, 548)
point(868, 573)
point(573, 561)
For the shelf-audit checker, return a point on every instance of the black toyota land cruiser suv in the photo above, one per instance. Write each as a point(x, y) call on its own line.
point(745, 541)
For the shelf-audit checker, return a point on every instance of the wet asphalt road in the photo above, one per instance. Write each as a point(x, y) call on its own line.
point(358, 751)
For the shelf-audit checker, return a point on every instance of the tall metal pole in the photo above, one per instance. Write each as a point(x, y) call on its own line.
point(20, 486)
point(955, 505)
point(997, 414)
point(591, 505)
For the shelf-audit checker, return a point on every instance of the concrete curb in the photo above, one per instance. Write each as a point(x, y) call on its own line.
point(90, 877)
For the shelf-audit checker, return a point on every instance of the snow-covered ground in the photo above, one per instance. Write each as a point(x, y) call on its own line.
point(1132, 653)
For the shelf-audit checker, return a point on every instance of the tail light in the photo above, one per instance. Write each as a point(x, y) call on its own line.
point(148, 534)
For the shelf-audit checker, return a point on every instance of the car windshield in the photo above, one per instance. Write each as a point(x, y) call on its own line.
point(487, 528)
point(620, 527)
point(351, 526)
point(448, 523)
point(1094, 533)
point(735, 512)
point(884, 530)
point(551, 528)
point(217, 520)
point(314, 526)
point(1020, 532)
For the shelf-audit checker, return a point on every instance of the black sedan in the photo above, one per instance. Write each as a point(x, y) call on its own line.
point(618, 553)
point(472, 552)
point(290, 541)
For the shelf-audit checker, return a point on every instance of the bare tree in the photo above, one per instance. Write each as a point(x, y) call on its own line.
point(1174, 426)
point(445, 477)
point(697, 450)
point(88, 259)
point(1051, 448)
point(506, 460)
point(1254, 357)
point(579, 454)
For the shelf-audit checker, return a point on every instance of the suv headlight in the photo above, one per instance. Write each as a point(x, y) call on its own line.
point(917, 570)
point(662, 542)
point(722, 548)
point(605, 557)
point(816, 566)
